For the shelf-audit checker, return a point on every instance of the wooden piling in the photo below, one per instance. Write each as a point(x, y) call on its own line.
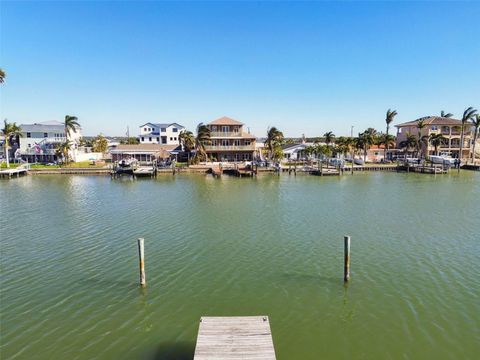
point(346, 267)
point(141, 256)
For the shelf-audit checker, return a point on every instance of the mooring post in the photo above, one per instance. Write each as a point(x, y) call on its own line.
point(346, 267)
point(141, 256)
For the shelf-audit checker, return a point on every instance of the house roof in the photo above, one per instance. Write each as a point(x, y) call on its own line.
point(147, 148)
point(432, 120)
point(43, 126)
point(163, 125)
point(225, 121)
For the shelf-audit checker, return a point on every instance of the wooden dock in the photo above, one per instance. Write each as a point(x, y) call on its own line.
point(21, 170)
point(234, 338)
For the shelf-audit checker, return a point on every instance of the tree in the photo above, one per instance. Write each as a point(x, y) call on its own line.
point(2, 76)
point(468, 114)
point(436, 140)
point(10, 130)
point(274, 142)
point(445, 115)
point(202, 139)
point(131, 140)
point(386, 140)
point(420, 126)
point(62, 150)
point(100, 144)
point(187, 139)
point(476, 125)
point(409, 143)
point(71, 124)
point(366, 140)
point(329, 137)
point(389, 119)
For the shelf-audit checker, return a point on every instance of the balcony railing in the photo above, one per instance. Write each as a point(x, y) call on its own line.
point(32, 151)
point(225, 134)
point(250, 147)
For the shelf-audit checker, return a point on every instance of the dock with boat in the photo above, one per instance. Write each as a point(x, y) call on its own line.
point(237, 337)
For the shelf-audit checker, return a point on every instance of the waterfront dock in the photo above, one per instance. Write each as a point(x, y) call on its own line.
point(21, 170)
point(243, 337)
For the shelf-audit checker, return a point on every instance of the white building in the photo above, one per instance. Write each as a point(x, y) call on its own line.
point(39, 141)
point(164, 134)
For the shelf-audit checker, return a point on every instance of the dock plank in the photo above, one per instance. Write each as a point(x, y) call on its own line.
point(234, 338)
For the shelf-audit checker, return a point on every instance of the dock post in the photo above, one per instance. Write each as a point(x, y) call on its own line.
point(141, 256)
point(346, 267)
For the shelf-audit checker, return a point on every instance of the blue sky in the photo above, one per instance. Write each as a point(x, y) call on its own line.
point(305, 67)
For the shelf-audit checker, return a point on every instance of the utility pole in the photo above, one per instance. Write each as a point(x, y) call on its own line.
point(351, 153)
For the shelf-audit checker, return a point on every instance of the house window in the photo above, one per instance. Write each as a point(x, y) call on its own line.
point(236, 142)
point(225, 142)
point(171, 139)
point(143, 139)
point(434, 128)
point(164, 139)
point(29, 135)
point(29, 145)
point(45, 135)
point(247, 142)
point(150, 139)
point(214, 128)
point(225, 129)
point(214, 142)
point(175, 138)
point(235, 129)
point(174, 129)
point(163, 129)
point(158, 139)
point(145, 129)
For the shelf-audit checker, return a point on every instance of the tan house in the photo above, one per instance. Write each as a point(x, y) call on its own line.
point(448, 127)
point(230, 141)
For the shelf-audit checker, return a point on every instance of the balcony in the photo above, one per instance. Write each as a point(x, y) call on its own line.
point(31, 151)
point(250, 147)
point(225, 134)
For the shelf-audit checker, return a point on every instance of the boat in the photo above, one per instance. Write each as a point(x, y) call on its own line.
point(442, 159)
point(359, 161)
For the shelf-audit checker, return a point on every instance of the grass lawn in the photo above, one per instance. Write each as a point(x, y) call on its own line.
point(82, 164)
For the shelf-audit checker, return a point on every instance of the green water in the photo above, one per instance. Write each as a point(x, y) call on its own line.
point(265, 246)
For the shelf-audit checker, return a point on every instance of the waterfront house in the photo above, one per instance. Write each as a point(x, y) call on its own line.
point(164, 134)
point(448, 127)
point(39, 141)
point(230, 141)
point(143, 152)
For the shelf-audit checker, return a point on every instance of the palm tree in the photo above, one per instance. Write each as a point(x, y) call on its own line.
point(187, 139)
point(388, 119)
point(445, 115)
point(10, 130)
point(420, 126)
point(329, 137)
point(476, 125)
point(468, 114)
point(386, 140)
point(409, 143)
point(366, 140)
point(202, 139)
point(71, 124)
point(436, 140)
point(274, 142)
point(62, 150)
point(2, 76)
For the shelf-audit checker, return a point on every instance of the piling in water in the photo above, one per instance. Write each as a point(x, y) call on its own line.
point(141, 256)
point(346, 267)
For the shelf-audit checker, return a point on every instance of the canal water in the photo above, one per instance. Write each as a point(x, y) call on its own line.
point(264, 246)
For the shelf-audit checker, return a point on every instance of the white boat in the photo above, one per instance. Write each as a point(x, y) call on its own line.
point(442, 159)
point(359, 161)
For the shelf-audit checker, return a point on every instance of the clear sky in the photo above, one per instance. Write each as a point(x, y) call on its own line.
point(305, 67)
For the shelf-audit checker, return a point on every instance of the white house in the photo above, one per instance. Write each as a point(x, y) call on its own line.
point(164, 134)
point(39, 140)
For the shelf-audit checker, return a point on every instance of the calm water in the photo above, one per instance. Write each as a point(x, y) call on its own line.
point(271, 245)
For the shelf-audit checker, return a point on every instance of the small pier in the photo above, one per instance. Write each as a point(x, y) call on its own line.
point(21, 170)
point(150, 171)
point(244, 337)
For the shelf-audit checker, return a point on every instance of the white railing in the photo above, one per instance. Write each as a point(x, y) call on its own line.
point(225, 134)
point(230, 147)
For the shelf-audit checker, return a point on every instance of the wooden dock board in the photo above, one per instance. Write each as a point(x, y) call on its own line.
point(234, 338)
